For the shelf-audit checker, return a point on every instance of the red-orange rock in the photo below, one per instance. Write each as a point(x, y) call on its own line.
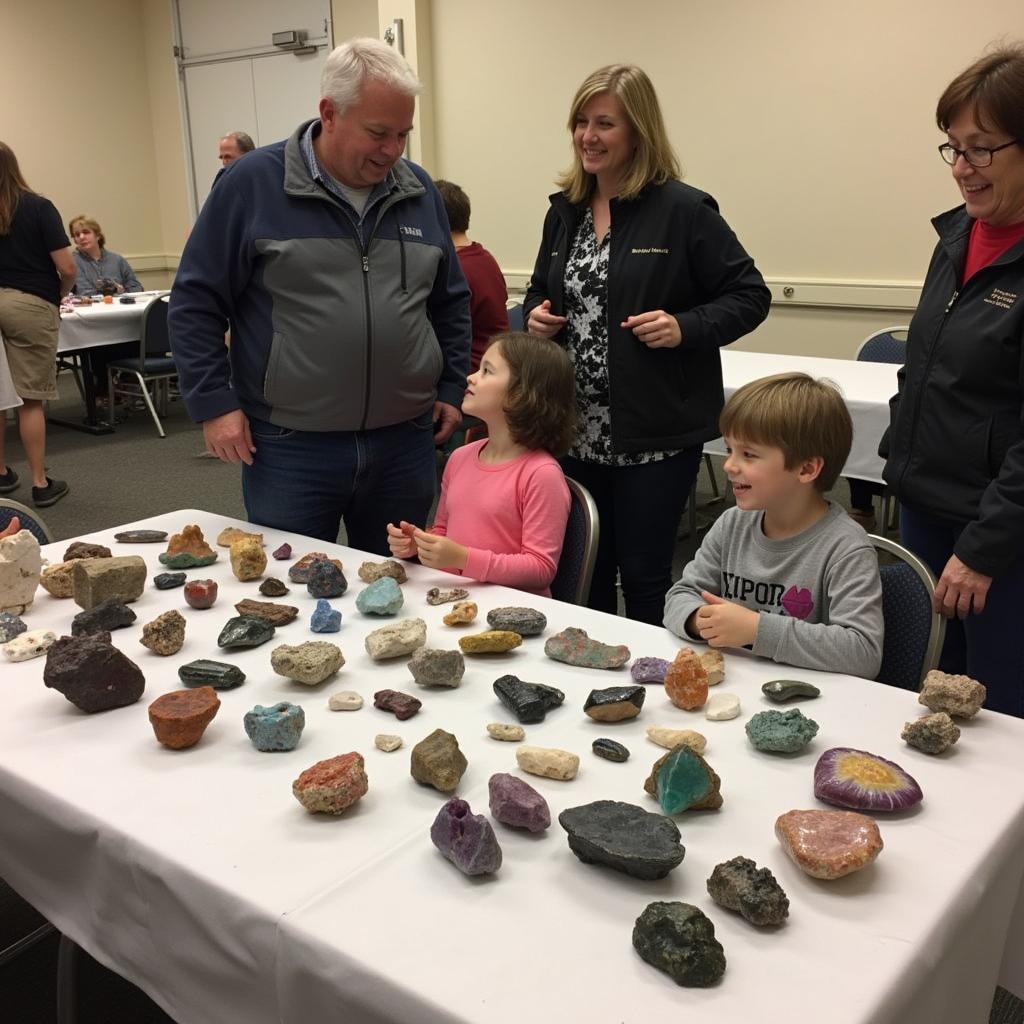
point(686, 681)
point(333, 785)
point(180, 718)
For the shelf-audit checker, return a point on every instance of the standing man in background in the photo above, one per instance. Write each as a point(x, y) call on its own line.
point(233, 146)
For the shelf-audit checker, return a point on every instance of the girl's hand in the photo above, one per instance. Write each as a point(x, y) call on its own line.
point(656, 329)
point(961, 590)
point(400, 541)
point(543, 322)
point(722, 623)
point(440, 552)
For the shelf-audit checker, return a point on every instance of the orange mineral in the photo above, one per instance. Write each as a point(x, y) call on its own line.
point(686, 681)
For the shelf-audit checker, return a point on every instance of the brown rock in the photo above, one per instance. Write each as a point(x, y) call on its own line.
point(278, 614)
point(301, 570)
point(81, 549)
point(189, 542)
point(829, 844)
point(686, 681)
point(248, 559)
point(369, 572)
point(165, 634)
point(58, 579)
point(97, 579)
point(959, 696)
point(462, 614)
point(230, 534)
point(180, 718)
point(273, 587)
point(437, 761)
point(91, 673)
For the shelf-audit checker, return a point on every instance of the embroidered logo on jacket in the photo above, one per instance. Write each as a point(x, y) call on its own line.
point(650, 250)
point(1001, 298)
point(415, 232)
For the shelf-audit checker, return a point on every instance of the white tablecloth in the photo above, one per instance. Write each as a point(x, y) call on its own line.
point(103, 323)
point(867, 388)
point(198, 876)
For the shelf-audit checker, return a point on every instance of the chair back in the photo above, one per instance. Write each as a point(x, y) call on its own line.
point(515, 317)
point(886, 346)
point(913, 631)
point(29, 520)
point(579, 549)
point(156, 339)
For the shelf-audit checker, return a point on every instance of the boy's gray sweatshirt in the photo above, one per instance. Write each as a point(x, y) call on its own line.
point(819, 593)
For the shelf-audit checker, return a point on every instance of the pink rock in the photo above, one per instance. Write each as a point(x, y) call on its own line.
point(283, 553)
point(333, 785)
point(829, 844)
point(200, 594)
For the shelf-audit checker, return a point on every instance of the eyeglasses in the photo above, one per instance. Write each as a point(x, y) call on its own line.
point(976, 156)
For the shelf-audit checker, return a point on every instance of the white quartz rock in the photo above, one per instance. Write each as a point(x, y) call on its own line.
point(721, 707)
point(509, 733)
point(386, 742)
point(20, 565)
point(548, 762)
point(345, 700)
point(671, 738)
point(396, 639)
point(29, 645)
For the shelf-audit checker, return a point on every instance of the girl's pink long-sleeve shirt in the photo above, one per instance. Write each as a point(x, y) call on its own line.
point(510, 515)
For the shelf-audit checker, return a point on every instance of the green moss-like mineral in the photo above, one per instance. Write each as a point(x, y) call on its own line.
point(678, 939)
point(782, 732)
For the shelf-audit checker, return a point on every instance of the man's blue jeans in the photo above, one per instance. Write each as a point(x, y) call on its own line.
point(306, 482)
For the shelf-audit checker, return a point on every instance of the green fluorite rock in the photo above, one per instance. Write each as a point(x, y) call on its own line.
point(682, 780)
point(782, 732)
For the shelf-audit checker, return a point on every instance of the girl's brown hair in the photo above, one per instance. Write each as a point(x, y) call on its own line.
point(993, 86)
point(12, 186)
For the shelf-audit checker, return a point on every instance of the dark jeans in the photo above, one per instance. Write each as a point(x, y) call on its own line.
point(639, 509)
point(988, 647)
point(307, 482)
point(862, 493)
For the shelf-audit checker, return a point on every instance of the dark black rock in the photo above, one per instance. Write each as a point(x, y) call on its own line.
point(678, 939)
point(106, 616)
point(610, 750)
point(169, 580)
point(615, 703)
point(242, 631)
point(624, 837)
point(739, 884)
point(326, 580)
point(273, 587)
point(217, 674)
point(140, 537)
point(529, 702)
point(524, 621)
point(92, 673)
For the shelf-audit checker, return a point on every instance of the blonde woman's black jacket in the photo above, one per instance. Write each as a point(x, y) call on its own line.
point(670, 250)
point(956, 440)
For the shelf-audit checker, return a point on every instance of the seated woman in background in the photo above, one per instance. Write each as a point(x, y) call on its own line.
point(99, 270)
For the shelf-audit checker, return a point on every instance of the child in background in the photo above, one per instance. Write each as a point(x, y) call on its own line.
point(786, 571)
point(504, 501)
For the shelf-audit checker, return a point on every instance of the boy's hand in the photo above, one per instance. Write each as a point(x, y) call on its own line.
point(723, 624)
point(440, 552)
point(400, 540)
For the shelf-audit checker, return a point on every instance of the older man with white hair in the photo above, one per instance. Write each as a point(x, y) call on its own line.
point(330, 259)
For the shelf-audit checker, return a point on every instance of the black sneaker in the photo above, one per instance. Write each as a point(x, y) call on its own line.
point(8, 481)
point(43, 497)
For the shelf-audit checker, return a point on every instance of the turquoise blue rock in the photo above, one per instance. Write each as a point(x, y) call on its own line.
point(781, 732)
point(275, 728)
point(682, 780)
point(325, 619)
point(381, 597)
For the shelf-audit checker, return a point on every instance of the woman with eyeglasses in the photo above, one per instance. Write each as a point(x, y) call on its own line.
point(956, 445)
point(643, 281)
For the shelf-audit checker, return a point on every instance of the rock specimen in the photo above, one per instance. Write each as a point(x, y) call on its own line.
point(615, 703)
point(382, 597)
point(524, 621)
point(437, 596)
point(10, 627)
point(344, 700)
point(432, 667)
point(678, 939)
point(610, 750)
point(21, 562)
point(83, 549)
point(396, 639)
point(275, 728)
point(248, 559)
point(275, 614)
point(686, 681)
point(245, 632)
point(492, 641)
point(180, 718)
point(933, 733)
point(200, 594)
point(437, 761)
point(508, 733)
point(682, 780)
point(103, 618)
point(783, 732)
point(369, 572)
point(740, 885)
point(714, 665)
point(326, 580)
point(169, 580)
point(58, 580)
point(529, 702)
point(165, 635)
point(548, 762)
point(309, 663)
point(574, 647)
point(302, 570)
point(283, 553)
point(782, 690)
point(218, 674)
point(649, 670)
point(829, 844)
point(92, 673)
point(672, 738)
point(333, 785)
point(273, 587)
point(517, 804)
point(863, 782)
point(188, 550)
point(385, 741)
point(230, 534)
point(98, 579)
point(466, 839)
point(959, 696)
point(325, 619)
point(462, 614)
point(31, 644)
point(721, 707)
point(140, 537)
point(401, 705)
point(624, 837)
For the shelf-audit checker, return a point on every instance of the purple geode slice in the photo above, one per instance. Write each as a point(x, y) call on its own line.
point(516, 803)
point(863, 782)
point(649, 670)
point(466, 839)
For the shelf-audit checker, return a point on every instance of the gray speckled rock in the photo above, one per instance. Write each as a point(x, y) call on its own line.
point(524, 621)
point(678, 939)
point(740, 885)
point(432, 667)
point(396, 639)
point(959, 696)
point(309, 663)
point(10, 627)
point(932, 734)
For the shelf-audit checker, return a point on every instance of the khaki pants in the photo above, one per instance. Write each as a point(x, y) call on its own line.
point(30, 326)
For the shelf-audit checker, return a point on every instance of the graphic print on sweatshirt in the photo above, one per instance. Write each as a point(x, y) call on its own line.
point(775, 598)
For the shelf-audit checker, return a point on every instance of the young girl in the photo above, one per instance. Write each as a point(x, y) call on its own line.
point(504, 502)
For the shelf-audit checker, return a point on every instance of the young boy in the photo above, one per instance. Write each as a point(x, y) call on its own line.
point(786, 571)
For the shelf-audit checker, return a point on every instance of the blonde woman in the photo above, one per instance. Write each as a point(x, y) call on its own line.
point(99, 270)
point(642, 280)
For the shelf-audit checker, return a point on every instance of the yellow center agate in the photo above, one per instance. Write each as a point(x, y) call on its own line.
point(867, 772)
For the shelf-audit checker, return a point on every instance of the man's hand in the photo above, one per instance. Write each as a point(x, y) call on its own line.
point(440, 552)
point(400, 540)
point(543, 322)
point(446, 419)
point(960, 590)
point(228, 439)
point(11, 529)
point(656, 329)
point(722, 623)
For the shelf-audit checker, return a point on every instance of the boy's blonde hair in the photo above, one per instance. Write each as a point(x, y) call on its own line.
point(797, 414)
